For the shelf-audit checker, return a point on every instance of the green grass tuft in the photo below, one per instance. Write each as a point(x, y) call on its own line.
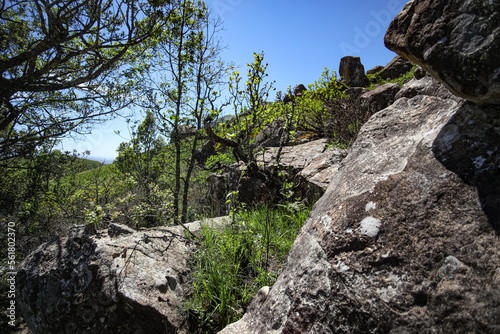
point(232, 264)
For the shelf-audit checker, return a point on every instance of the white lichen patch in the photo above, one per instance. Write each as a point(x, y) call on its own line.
point(341, 266)
point(370, 206)
point(324, 223)
point(370, 226)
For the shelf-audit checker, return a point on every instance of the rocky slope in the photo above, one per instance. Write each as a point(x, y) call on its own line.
point(406, 237)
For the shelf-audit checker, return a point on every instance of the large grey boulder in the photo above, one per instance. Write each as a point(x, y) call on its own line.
point(458, 42)
point(116, 281)
point(309, 166)
point(273, 135)
point(406, 237)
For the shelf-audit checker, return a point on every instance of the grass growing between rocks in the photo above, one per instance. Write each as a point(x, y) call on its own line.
point(232, 264)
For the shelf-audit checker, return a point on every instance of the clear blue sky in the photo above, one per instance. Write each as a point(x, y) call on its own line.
point(299, 39)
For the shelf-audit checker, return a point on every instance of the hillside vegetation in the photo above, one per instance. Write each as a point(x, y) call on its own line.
point(158, 178)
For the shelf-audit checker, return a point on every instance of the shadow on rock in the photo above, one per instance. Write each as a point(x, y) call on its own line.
point(468, 145)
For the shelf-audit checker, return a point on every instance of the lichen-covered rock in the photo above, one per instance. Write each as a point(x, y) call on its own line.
point(309, 166)
point(273, 135)
point(124, 282)
point(406, 238)
point(458, 42)
point(425, 85)
point(375, 70)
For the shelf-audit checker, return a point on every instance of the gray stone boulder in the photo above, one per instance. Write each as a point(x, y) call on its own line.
point(378, 99)
point(426, 85)
point(396, 68)
point(406, 237)
point(310, 166)
point(311, 182)
point(353, 72)
point(116, 281)
point(458, 42)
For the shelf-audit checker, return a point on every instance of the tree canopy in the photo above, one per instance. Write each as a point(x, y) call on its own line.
point(64, 64)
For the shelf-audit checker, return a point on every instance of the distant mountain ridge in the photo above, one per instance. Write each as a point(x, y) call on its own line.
point(105, 160)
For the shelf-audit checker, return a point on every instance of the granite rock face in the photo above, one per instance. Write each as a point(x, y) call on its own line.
point(458, 42)
point(116, 281)
point(406, 237)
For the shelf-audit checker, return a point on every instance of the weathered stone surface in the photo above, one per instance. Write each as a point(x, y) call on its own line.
point(458, 42)
point(378, 99)
point(123, 282)
point(293, 157)
point(311, 183)
point(426, 85)
point(406, 238)
point(353, 72)
point(396, 68)
point(272, 135)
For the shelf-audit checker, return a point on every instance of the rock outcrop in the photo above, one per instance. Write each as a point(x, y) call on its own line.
point(273, 135)
point(395, 68)
point(310, 166)
point(406, 237)
point(378, 99)
point(353, 72)
point(458, 42)
point(116, 281)
point(375, 70)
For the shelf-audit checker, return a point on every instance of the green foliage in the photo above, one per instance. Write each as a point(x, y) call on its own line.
point(143, 162)
point(231, 265)
point(376, 80)
point(320, 107)
point(249, 102)
point(68, 64)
